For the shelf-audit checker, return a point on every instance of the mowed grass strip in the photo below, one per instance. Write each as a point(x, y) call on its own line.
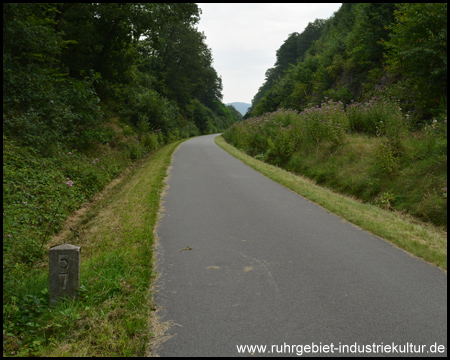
point(112, 315)
point(419, 239)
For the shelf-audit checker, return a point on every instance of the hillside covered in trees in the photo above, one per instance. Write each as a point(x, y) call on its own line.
point(364, 50)
point(147, 63)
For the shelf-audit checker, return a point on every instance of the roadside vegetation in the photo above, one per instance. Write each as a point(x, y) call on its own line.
point(419, 238)
point(112, 314)
point(367, 151)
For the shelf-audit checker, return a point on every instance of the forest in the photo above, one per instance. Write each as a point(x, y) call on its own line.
point(64, 64)
point(364, 50)
point(358, 103)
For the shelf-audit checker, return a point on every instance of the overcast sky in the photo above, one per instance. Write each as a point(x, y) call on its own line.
point(244, 38)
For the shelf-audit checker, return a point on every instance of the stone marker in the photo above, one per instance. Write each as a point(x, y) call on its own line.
point(64, 267)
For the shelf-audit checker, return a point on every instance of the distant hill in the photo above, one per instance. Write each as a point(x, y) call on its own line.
point(241, 107)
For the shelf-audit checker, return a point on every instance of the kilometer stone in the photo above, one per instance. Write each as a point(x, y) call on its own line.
point(65, 261)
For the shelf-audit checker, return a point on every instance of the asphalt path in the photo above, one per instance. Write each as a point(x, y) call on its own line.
point(245, 261)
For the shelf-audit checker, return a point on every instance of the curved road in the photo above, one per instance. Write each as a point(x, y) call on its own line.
point(245, 261)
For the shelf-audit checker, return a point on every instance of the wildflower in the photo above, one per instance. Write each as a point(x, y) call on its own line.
point(70, 183)
point(69, 153)
point(24, 202)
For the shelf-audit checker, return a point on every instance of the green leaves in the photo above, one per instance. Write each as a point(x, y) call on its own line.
point(417, 50)
point(418, 44)
point(404, 44)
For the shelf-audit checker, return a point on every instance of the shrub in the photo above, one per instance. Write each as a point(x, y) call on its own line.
point(51, 112)
point(435, 136)
point(328, 122)
point(385, 159)
point(377, 117)
point(150, 141)
point(135, 151)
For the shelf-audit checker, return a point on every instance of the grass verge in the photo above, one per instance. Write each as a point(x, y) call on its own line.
point(112, 315)
point(419, 239)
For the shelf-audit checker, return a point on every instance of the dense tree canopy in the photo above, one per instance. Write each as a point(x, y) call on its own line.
point(417, 50)
point(147, 61)
point(363, 50)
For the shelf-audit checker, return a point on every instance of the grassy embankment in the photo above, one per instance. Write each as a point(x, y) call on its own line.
point(376, 180)
point(115, 232)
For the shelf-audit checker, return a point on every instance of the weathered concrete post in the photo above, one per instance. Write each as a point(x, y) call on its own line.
point(65, 261)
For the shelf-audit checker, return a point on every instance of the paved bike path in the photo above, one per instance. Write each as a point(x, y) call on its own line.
point(245, 261)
